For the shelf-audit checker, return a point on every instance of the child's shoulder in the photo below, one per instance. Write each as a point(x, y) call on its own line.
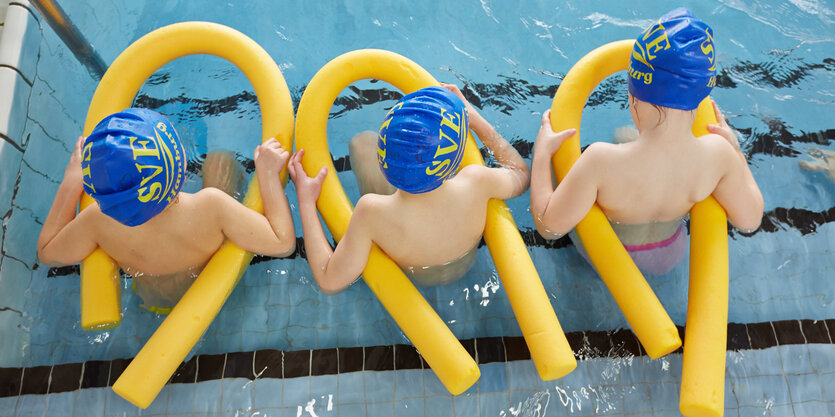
point(716, 146)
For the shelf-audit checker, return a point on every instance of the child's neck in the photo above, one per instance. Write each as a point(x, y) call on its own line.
point(674, 124)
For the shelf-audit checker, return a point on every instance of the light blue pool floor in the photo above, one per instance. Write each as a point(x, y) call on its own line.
point(794, 380)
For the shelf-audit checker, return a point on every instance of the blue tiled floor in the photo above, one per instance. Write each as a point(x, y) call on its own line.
point(578, 394)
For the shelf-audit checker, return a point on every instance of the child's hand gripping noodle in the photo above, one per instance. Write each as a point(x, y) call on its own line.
point(133, 165)
point(432, 221)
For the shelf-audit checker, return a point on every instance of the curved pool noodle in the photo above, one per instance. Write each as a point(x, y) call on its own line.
point(433, 339)
point(168, 346)
point(643, 311)
point(703, 374)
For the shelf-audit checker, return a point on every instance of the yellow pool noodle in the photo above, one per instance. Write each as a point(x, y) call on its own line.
point(433, 339)
point(165, 350)
point(705, 338)
point(643, 311)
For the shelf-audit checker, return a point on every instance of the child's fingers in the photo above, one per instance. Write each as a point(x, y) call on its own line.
point(320, 176)
point(546, 118)
point(717, 129)
point(720, 118)
point(725, 132)
point(297, 169)
point(291, 170)
point(567, 133)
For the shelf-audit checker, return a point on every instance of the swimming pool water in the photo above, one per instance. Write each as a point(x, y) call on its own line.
point(777, 69)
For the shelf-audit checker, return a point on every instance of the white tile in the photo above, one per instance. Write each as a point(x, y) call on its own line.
point(13, 106)
point(21, 41)
point(4, 4)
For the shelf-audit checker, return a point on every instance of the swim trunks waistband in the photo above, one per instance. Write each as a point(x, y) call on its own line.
point(662, 244)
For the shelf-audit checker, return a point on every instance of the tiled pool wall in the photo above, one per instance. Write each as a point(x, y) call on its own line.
point(773, 369)
point(19, 53)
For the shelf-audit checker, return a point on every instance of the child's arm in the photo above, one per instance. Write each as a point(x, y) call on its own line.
point(737, 190)
point(273, 232)
point(63, 239)
point(334, 270)
point(556, 212)
point(512, 179)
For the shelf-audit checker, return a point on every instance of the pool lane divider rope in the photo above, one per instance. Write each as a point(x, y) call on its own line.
point(153, 366)
point(455, 368)
point(703, 376)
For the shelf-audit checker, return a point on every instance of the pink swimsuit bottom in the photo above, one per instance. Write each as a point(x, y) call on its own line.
point(655, 258)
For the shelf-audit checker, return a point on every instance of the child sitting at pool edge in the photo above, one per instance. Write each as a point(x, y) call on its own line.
point(133, 165)
point(422, 214)
point(647, 185)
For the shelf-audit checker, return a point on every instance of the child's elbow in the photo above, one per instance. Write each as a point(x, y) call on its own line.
point(46, 257)
point(330, 288)
point(286, 247)
point(548, 233)
point(751, 220)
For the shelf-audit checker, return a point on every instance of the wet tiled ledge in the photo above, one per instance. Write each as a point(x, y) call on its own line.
point(587, 345)
point(19, 48)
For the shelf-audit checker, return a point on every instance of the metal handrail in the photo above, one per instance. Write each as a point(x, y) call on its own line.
point(83, 50)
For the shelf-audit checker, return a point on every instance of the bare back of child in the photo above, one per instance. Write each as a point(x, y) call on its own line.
point(647, 185)
point(429, 225)
point(157, 234)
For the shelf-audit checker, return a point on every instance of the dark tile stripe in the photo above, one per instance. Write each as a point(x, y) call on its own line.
point(597, 344)
point(95, 374)
point(830, 324)
point(788, 332)
point(625, 344)
point(186, 373)
point(239, 365)
point(489, 349)
point(65, 377)
point(761, 335)
point(294, 364)
point(117, 366)
point(10, 381)
point(379, 358)
point(350, 359)
point(575, 340)
point(738, 337)
point(210, 367)
point(35, 380)
point(681, 336)
point(324, 362)
point(815, 331)
point(268, 363)
point(516, 349)
point(405, 357)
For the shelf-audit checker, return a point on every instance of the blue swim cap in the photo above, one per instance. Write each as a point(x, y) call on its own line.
point(673, 62)
point(422, 139)
point(133, 165)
